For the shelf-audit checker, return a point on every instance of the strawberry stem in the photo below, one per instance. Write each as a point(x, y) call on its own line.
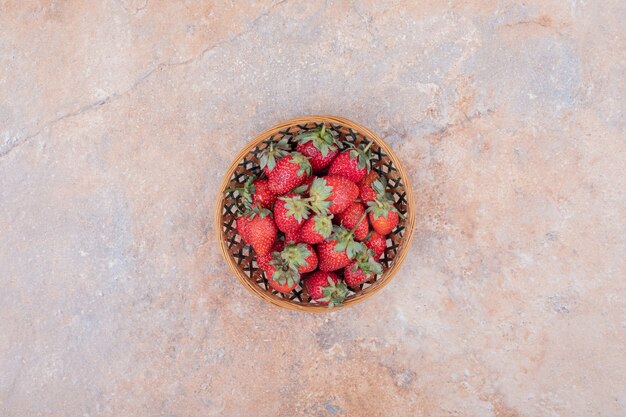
point(368, 146)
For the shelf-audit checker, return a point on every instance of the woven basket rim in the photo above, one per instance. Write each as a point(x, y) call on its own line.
point(313, 308)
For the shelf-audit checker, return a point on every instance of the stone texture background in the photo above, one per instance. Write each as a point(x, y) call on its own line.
point(118, 118)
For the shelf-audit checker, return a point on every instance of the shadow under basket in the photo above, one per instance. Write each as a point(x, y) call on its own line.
point(242, 259)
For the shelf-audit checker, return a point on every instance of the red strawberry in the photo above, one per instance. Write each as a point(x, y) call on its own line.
point(352, 164)
point(284, 269)
point(383, 215)
point(254, 193)
point(384, 224)
point(338, 251)
point(320, 146)
point(332, 193)
point(354, 276)
point(362, 269)
point(325, 288)
point(301, 257)
point(370, 187)
point(366, 192)
point(282, 280)
point(329, 259)
point(316, 229)
point(261, 194)
point(377, 243)
point(318, 161)
point(242, 227)
point(290, 212)
point(271, 154)
point(303, 189)
point(284, 288)
point(354, 218)
point(264, 260)
point(290, 171)
point(343, 193)
point(261, 231)
point(293, 236)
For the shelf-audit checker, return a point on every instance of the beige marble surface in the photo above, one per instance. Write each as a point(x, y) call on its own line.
point(118, 118)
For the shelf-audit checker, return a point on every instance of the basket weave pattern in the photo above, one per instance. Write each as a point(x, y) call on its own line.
point(242, 258)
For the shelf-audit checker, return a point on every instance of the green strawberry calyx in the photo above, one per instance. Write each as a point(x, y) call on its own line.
point(296, 255)
point(302, 162)
point(300, 190)
point(367, 264)
point(273, 152)
point(322, 139)
point(283, 272)
point(260, 211)
point(323, 225)
point(243, 194)
point(334, 294)
point(380, 187)
point(381, 207)
point(319, 193)
point(345, 242)
point(364, 155)
point(285, 276)
point(297, 207)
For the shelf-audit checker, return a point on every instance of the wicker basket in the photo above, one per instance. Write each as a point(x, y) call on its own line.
point(241, 257)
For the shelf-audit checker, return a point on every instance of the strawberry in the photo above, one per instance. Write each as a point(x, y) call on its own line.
point(343, 193)
point(332, 193)
point(244, 206)
point(338, 251)
point(264, 260)
point(271, 154)
point(293, 236)
point(290, 212)
point(371, 187)
point(362, 269)
point(254, 193)
point(377, 243)
point(290, 171)
point(284, 288)
point(261, 194)
point(383, 215)
point(320, 146)
point(281, 279)
point(366, 192)
point(284, 269)
point(329, 259)
point(261, 231)
point(304, 187)
point(352, 164)
point(300, 256)
point(325, 288)
point(242, 227)
point(316, 229)
point(353, 217)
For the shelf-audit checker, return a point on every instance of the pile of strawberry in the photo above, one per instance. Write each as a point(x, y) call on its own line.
point(318, 216)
